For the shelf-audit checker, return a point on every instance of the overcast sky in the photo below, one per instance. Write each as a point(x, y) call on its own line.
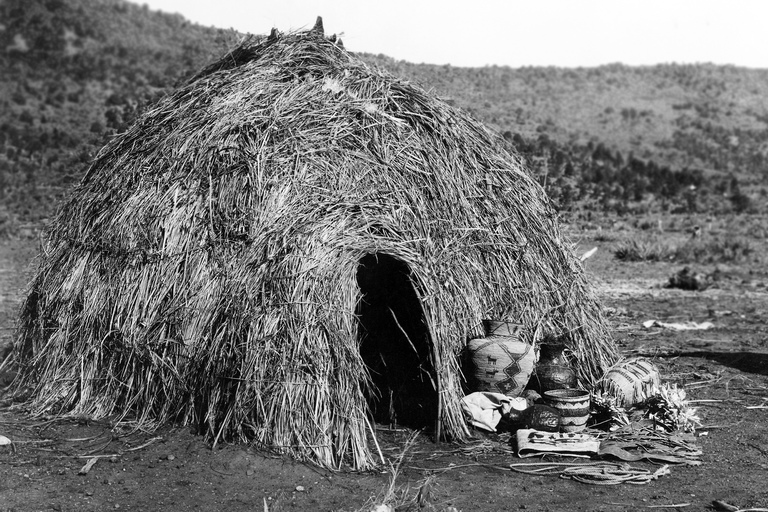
point(515, 33)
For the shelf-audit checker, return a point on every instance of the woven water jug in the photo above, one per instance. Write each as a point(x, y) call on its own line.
point(501, 362)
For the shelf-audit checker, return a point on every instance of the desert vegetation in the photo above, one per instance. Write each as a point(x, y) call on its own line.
point(720, 248)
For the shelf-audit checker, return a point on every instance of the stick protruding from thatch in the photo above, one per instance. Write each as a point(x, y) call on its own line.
point(318, 28)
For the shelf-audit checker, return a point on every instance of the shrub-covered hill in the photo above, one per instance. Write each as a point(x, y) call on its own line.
point(75, 72)
point(680, 137)
point(72, 73)
point(704, 116)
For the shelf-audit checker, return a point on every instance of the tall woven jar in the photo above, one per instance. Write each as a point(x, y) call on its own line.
point(501, 362)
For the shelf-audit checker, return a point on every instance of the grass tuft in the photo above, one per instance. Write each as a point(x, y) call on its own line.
point(643, 249)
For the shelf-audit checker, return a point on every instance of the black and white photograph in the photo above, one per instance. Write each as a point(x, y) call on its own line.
point(356, 256)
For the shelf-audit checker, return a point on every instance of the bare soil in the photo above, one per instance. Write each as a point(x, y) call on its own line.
point(173, 469)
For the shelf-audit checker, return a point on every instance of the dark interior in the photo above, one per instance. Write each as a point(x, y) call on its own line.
point(395, 345)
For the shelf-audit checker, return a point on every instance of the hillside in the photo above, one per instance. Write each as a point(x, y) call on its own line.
point(691, 138)
point(704, 116)
point(72, 74)
point(625, 139)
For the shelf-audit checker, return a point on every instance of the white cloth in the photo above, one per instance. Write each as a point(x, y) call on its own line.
point(484, 409)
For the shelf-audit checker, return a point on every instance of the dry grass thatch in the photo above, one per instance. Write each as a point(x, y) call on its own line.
point(206, 269)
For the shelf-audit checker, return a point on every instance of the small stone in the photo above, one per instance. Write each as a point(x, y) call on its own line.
point(249, 472)
point(300, 488)
point(113, 460)
point(89, 493)
point(171, 457)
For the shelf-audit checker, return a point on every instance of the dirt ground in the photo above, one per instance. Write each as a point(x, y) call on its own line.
point(724, 368)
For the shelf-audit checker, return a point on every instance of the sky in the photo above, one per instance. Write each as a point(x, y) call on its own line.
point(564, 33)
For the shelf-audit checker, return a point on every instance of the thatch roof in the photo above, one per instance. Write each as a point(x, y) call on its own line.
point(205, 270)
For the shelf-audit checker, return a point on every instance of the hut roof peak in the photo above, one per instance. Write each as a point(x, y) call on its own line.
point(310, 46)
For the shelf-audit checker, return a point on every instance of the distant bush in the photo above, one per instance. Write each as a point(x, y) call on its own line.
point(710, 249)
point(604, 236)
point(647, 225)
point(741, 202)
point(647, 249)
point(728, 248)
point(26, 117)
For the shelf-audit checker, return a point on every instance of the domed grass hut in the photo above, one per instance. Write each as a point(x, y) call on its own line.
point(289, 247)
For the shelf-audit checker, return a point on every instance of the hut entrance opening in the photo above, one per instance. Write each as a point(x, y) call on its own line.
point(395, 344)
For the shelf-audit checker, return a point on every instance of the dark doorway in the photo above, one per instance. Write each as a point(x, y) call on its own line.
point(395, 344)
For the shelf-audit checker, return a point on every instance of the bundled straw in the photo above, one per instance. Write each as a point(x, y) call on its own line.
point(204, 270)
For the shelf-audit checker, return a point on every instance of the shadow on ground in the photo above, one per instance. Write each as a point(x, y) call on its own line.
point(750, 362)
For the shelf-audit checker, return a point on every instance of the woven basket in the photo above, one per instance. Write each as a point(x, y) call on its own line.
point(573, 405)
point(631, 381)
point(501, 363)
